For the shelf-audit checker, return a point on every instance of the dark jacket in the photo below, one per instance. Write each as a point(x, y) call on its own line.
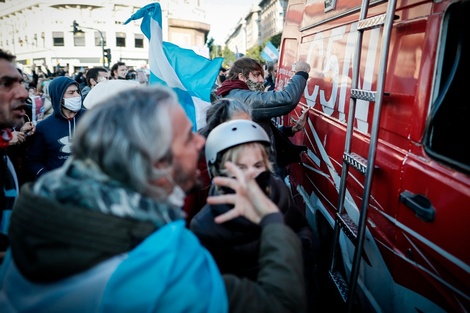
point(8, 194)
point(268, 104)
point(269, 82)
point(51, 143)
point(235, 244)
point(53, 243)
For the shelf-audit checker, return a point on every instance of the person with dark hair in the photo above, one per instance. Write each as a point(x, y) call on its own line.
point(105, 232)
point(13, 96)
point(80, 78)
point(218, 82)
point(51, 144)
point(119, 70)
point(245, 82)
point(270, 80)
point(39, 74)
point(222, 76)
point(94, 76)
point(131, 74)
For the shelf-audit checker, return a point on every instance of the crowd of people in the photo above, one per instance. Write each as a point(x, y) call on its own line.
point(119, 206)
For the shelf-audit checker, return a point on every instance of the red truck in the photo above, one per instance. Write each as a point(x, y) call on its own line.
point(386, 179)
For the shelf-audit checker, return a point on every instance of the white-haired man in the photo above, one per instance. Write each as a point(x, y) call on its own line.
point(105, 232)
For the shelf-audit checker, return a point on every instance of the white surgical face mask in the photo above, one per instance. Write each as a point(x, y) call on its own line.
point(177, 196)
point(73, 104)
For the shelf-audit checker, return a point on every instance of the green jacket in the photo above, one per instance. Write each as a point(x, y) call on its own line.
point(279, 286)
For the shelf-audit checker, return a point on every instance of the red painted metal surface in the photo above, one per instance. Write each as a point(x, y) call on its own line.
point(416, 264)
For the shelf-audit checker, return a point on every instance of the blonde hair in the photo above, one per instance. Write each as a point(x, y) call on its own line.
point(233, 155)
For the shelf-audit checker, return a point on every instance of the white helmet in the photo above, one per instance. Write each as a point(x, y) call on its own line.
point(231, 134)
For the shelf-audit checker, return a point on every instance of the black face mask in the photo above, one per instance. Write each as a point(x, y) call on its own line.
point(263, 182)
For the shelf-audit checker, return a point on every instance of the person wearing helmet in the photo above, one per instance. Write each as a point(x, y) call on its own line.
point(235, 244)
point(220, 111)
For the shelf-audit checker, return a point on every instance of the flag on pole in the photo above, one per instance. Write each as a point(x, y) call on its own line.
point(270, 53)
point(190, 75)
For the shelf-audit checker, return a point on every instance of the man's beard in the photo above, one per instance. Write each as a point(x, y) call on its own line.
point(182, 177)
point(10, 123)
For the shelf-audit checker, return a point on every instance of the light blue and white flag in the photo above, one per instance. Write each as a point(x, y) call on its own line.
point(190, 75)
point(270, 53)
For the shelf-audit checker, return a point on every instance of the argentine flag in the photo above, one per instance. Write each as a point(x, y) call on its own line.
point(190, 75)
point(270, 53)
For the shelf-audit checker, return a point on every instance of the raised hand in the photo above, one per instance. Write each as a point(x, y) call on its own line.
point(248, 200)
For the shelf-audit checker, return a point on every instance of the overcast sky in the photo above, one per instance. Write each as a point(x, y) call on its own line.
point(223, 15)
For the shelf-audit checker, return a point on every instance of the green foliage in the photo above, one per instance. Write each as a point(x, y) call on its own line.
point(276, 40)
point(255, 53)
point(229, 57)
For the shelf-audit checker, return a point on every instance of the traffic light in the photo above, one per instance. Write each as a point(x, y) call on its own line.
point(75, 29)
point(107, 55)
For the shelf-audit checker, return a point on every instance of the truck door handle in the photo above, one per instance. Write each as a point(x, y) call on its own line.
point(419, 204)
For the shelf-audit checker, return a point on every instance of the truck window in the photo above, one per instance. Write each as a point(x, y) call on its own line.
point(448, 128)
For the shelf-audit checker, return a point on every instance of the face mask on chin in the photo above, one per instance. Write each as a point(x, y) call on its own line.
point(73, 104)
point(255, 86)
point(101, 79)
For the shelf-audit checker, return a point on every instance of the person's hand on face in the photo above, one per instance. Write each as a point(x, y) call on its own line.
point(248, 200)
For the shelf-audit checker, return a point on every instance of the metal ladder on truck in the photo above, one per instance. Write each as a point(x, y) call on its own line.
point(343, 222)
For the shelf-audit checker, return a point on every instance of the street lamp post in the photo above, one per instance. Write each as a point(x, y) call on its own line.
point(75, 30)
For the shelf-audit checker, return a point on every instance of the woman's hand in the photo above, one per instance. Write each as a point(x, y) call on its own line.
point(248, 200)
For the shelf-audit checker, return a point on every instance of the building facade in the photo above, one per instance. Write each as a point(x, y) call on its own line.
point(262, 21)
point(41, 32)
point(246, 33)
point(272, 17)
